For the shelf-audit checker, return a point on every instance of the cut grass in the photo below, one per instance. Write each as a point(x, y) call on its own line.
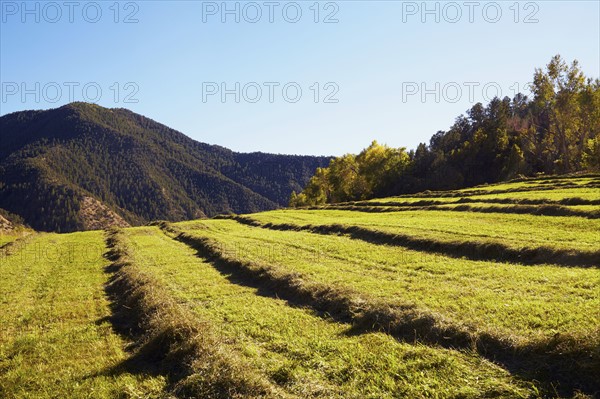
point(519, 238)
point(534, 184)
point(555, 181)
point(591, 194)
point(587, 192)
point(351, 312)
point(525, 198)
point(307, 355)
point(492, 307)
point(55, 337)
point(589, 188)
point(585, 211)
point(481, 207)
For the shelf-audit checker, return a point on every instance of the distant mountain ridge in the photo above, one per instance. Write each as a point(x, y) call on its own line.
point(83, 166)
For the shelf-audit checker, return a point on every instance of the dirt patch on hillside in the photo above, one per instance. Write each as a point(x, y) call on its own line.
point(97, 216)
point(5, 225)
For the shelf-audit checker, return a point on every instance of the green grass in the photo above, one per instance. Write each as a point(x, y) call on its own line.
point(544, 189)
point(307, 355)
point(592, 208)
point(449, 202)
point(535, 184)
point(514, 231)
point(55, 337)
point(587, 208)
point(5, 239)
point(556, 194)
point(550, 196)
point(404, 200)
point(586, 211)
point(173, 340)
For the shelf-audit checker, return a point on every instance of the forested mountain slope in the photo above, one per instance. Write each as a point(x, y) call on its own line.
point(81, 166)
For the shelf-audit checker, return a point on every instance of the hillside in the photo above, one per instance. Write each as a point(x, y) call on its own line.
point(487, 292)
point(82, 166)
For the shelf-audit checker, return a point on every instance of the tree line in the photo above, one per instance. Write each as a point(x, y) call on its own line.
point(556, 131)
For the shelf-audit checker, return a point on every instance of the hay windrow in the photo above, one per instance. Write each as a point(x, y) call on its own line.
point(466, 249)
point(461, 206)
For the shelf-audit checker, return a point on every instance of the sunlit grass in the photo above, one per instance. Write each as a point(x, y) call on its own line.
point(556, 194)
point(307, 355)
point(55, 337)
point(515, 231)
point(534, 184)
point(5, 239)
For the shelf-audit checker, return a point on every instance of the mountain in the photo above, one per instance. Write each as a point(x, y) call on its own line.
point(82, 166)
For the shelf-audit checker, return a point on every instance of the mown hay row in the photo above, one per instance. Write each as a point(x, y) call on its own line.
point(470, 193)
point(541, 210)
point(174, 340)
point(467, 249)
point(576, 175)
point(466, 200)
point(533, 201)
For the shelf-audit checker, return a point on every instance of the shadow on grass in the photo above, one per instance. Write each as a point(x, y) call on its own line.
point(144, 358)
point(126, 323)
point(135, 364)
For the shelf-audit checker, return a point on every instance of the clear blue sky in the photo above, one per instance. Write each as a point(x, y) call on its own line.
point(379, 54)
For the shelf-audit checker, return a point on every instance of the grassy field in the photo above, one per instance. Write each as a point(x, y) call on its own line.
point(563, 190)
point(586, 211)
point(489, 292)
point(5, 239)
point(555, 194)
point(541, 183)
point(12, 237)
point(304, 354)
point(513, 231)
point(56, 338)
